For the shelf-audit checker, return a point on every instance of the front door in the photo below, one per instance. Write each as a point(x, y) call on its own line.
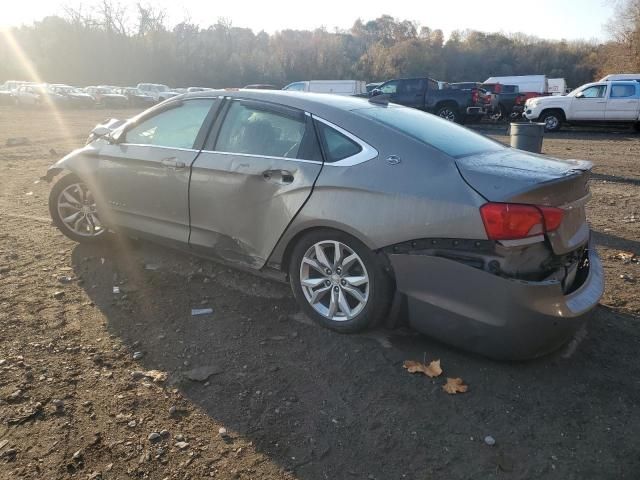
point(144, 179)
point(624, 102)
point(249, 183)
point(590, 105)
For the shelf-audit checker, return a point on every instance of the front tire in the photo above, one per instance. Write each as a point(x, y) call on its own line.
point(73, 210)
point(338, 282)
point(552, 121)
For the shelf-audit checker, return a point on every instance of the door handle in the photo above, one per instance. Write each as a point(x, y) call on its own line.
point(172, 162)
point(278, 176)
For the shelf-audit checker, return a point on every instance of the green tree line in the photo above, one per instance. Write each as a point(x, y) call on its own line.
point(121, 47)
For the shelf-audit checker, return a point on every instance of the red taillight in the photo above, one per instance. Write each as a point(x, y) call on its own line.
point(474, 96)
point(497, 88)
point(512, 221)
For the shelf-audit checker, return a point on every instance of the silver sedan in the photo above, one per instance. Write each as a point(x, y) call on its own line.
point(372, 211)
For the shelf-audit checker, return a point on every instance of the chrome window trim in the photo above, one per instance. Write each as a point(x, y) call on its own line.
point(367, 153)
point(158, 146)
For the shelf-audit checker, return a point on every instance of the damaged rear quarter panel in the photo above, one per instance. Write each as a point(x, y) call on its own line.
point(382, 204)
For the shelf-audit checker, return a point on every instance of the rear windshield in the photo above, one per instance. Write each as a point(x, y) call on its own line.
point(446, 136)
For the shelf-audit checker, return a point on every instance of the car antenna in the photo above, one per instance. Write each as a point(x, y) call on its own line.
point(382, 99)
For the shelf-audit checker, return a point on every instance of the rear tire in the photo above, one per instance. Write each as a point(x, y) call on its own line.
point(449, 112)
point(346, 292)
point(636, 127)
point(552, 120)
point(73, 210)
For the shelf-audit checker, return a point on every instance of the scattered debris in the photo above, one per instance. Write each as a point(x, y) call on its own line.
point(64, 279)
point(223, 432)
point(152, 267)
point(58, 294)
point(201, 311)
point(116, 289)
point(154, 437)
point(17, 141)
point(137, 355)
point(201, 374)
point(432, 370)
point(182, 445)
point(455, 385)
point(489, 440)
point(155, 375)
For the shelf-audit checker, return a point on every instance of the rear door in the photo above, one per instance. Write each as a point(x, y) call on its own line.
point(255, 173)
point(410, 92)
point(623, 103)
point(144, 179)
point(591, 105)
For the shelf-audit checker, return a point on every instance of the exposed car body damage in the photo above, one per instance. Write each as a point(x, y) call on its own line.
point(415, 205)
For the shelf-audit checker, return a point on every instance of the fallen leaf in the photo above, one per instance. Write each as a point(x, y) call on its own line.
point(454, 385)
point(156, 375)
point(431, 370)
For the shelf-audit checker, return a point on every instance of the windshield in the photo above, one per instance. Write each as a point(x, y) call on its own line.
point(162, 88)
point(446, 136)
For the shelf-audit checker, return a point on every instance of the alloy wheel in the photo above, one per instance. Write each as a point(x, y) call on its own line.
point(447, 114)
point(334, 280)
point(551, 122)
point(77, 210)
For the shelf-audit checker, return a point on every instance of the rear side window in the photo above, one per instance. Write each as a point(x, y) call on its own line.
point(623, 91)
point(414, 85)
point(335, 145)
point(252, 129)
point(446, 136)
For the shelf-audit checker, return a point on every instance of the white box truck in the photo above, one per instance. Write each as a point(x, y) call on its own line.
point(557, 86)
point(525, 83)
point(337, 87)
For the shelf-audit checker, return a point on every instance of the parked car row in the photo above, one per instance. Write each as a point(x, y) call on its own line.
point(14, 92)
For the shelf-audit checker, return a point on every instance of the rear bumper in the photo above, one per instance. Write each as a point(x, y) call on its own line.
point(498, 317)
point(476, 111)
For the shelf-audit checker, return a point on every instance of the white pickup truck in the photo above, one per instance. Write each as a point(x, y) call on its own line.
point(611, 102)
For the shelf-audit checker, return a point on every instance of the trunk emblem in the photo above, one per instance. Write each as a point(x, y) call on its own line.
point(393, 160)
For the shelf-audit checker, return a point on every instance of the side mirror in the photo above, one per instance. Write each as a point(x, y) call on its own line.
point(375, 92)
point(580, 95)
point(101, 131)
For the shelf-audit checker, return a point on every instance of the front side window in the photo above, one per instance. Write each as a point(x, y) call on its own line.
point(597, 91)
point(389, 88)
point(176, 128)
point(296, 87)
point(254, 129)
point(336, 146)
point(623, 91)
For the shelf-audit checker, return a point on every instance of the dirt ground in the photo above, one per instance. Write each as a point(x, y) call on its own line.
point(297, 401)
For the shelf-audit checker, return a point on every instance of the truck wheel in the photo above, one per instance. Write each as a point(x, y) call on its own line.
point(449, 112)
point(499, 114)
point(552, 120)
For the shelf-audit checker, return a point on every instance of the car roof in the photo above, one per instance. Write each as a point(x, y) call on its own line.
point(319, 103)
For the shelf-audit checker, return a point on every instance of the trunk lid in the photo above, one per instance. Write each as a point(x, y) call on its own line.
point(519, 177)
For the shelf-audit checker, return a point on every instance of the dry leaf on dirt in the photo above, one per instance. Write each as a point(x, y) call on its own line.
point(454, 385)
point(431, 370)
point(626, 257)
point(156, 375)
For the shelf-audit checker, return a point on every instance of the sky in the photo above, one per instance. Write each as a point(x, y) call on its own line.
point(553, 19)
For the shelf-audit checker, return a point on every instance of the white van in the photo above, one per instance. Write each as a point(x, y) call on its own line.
point(525, 83)
point(621, 76)
point(337, 87)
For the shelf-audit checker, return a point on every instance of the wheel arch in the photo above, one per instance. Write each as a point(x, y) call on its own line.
point(281, 255)
point(560, 110)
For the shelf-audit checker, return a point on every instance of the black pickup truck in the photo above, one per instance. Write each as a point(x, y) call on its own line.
point(424, 94)
point(506, 101)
